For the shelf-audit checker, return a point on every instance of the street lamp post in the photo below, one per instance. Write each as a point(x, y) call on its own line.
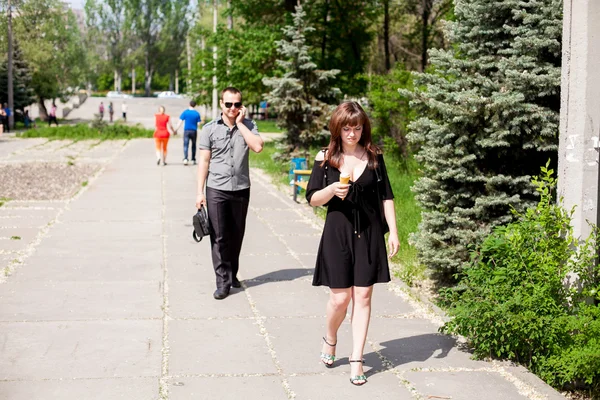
point(11, 100)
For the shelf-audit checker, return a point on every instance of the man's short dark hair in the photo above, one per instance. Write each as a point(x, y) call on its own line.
point(192, 103)
point(231, 90)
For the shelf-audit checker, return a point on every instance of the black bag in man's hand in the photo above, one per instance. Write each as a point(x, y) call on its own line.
point(200, 222)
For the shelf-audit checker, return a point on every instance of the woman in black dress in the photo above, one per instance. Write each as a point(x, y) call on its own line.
point(352, 255)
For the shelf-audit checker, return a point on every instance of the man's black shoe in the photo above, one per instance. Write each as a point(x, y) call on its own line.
point(236, 283)
point(220, 294)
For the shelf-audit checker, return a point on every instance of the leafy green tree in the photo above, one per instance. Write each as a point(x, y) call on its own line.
point(22, 89)
point(52, 45)
point(173, 37)
point(390, 110)
point(244, 57)
point(146, 18)
point(107, 21)
point(489, 113)
point(300, 96)
point(340, 38)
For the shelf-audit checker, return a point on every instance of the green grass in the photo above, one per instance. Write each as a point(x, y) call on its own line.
point(15, 238)
point(4, 200)
point(408, 214)
point(98, 131)
point(84, 183)
point(267, 126)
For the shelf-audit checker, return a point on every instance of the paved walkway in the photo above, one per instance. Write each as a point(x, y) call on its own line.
point(108, 297)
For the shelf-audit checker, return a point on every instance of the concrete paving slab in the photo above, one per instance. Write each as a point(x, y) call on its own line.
point(280, 299)
point(386, 303)
point(46, 265)
point(24, 221)
point(12, 145)
point(193, 267)
point(73, 349)
point(415, 343)
point(273, 267)
point(290, 227)
point(317, 387)
point(46, 214)
point(257, 243)
point(195, 300)
point(131, 388)
point(301, 244)
point(224, 346)
point(297, 343)
point(12, 245)
point(463, 385)
point(228, 388)
point(58, 301)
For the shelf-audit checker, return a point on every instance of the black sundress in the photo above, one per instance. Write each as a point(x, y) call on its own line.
point(352, 251)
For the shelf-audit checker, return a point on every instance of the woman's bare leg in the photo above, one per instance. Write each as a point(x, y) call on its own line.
point(336, 312)
point(361, 316)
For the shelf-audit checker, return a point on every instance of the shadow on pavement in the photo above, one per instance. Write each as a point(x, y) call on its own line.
point(418, 348)
point(278, 276)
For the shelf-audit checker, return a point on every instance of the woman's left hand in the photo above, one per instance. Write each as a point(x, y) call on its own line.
point(393, 245)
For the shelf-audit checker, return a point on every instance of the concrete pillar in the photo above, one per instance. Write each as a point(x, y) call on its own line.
point(580, 113)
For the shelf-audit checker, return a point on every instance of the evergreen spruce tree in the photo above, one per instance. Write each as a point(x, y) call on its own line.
point(489, 114)
point(22, 90)
point(300, 96)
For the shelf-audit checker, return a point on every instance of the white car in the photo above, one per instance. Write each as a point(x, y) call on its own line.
point(169, 94)
point(118, 95)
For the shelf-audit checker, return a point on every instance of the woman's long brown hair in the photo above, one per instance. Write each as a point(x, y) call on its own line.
point(350, 113)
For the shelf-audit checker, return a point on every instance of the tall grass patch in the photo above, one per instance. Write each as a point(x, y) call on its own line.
point(97, 131)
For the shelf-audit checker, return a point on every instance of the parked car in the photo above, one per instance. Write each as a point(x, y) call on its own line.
point(169, 94)
point(118, 95)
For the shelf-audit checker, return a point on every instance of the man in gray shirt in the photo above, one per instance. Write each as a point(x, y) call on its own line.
point(224, 173)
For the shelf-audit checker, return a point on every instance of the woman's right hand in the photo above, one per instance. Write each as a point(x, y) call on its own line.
point(200, 201)
point(339, 189)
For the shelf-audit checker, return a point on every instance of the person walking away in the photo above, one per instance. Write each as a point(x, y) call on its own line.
point(6, 120)
point(352, 252)
point(124, 111)
point(101, 110)
point(2, 118)
point(191, 120)
point(161, 135)
point(223, 171)
point(111, 111)
point(26, 118)
point(52, 115)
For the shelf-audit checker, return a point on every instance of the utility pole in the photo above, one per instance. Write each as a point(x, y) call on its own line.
point(11, 100)
point(215, 100)
point(579, 144)
point(189, 65)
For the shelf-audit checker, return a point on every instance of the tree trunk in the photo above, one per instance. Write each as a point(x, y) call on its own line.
point(386, 33)
point(171, 82)
point(43, 113)
point(177, 81)
point(324, 41)
point(426, 13)
point(147, 76)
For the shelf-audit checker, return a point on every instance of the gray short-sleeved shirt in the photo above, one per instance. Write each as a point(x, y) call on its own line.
point(228, 168)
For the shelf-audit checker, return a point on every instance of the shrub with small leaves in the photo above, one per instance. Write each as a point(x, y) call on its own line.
point(530, 294)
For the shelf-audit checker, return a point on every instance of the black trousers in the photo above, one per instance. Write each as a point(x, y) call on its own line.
point(227, 211)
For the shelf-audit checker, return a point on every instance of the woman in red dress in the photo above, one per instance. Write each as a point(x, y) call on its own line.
point(161, 135)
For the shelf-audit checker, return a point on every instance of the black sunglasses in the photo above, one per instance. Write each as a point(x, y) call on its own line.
point(237, 105)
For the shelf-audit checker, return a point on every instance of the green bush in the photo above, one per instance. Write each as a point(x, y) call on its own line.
point(390, 110)
point(530, 294)
point(97, 130)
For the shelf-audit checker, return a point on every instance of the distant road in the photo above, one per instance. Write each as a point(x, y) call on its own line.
point(139, 109)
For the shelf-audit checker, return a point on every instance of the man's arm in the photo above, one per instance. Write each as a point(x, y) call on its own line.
point(253, 140)
point(204, 160)
point(178, 125)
